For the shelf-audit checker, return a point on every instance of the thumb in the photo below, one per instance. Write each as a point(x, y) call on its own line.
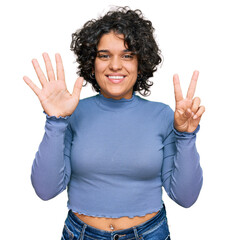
point(77, 87)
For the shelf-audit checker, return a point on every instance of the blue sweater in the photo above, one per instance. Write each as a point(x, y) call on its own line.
point(114, 157)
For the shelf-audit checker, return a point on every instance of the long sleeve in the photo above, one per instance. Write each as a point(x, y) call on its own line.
point(51, 167)
point(182, 175)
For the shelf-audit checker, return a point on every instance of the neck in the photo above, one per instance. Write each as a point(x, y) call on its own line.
point(125, 96)
point(112, 104)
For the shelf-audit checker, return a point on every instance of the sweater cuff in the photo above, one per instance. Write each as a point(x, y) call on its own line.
point(186, 134)
point(56, 125)
point(56, 118)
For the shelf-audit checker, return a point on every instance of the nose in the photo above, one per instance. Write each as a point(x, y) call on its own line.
point(115, 63)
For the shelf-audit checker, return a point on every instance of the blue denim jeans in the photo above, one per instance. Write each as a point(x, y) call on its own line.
point(155, 228)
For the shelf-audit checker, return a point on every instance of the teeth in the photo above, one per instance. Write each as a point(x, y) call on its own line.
point(116, 77)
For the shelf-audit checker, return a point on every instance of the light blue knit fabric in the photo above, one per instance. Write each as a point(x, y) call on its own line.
point(114, 157)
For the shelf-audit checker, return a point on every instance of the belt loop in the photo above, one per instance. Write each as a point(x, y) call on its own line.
point(136, 233)
point(82, 232)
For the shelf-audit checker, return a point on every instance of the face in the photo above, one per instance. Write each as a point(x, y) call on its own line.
point(116, 67)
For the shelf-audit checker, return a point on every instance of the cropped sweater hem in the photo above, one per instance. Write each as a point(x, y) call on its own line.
point(136, 214)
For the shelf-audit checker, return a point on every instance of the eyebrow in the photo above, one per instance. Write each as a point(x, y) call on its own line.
point(105, 50)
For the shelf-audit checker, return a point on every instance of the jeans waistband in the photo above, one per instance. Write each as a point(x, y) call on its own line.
point(134, 231)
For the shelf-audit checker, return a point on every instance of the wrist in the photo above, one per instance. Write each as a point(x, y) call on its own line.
point(56, 116)
point(186, 133)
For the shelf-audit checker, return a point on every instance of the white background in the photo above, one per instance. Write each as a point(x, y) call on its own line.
point(191, 34)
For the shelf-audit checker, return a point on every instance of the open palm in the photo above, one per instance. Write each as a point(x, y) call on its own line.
point(188, 111)
point(54, 96)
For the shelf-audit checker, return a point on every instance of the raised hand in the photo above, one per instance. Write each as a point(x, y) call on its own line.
point(54, 96)
point(188, 111)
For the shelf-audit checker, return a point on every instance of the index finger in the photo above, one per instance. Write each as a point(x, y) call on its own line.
point(59, 67)
point(192, 86)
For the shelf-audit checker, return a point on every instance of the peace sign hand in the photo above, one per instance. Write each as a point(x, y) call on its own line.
point(188, 113)
point(54, 96)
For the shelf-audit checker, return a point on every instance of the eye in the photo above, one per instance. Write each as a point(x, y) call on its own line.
point(128, 56)
point(103, 56)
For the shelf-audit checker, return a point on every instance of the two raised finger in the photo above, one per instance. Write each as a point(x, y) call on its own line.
point(177, 88)
point(191, 89)
point(192, 86)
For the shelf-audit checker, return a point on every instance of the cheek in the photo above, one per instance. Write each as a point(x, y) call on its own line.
point(133, 71)
point(99, 67)
point(132, 67)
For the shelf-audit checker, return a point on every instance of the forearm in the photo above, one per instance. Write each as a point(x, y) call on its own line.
point(49, 168)
point(186, 178)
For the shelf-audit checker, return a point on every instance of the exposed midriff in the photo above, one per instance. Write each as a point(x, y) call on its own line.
point(117, 223)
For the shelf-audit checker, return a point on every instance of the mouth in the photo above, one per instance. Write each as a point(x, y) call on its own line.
point(115, 78)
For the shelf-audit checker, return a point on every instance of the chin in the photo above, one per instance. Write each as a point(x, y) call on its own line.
point(115, 94)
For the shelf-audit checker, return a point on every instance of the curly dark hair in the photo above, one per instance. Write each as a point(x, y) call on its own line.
point(138, 37)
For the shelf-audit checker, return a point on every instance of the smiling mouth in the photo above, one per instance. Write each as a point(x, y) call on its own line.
point(115, 79)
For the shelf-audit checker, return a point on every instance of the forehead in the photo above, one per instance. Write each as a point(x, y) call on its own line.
point(112, 41)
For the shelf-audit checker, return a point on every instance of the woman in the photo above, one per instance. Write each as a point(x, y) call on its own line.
point(114, 151)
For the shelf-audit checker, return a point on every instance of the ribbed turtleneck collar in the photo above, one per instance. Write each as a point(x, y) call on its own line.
point(112, 104)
